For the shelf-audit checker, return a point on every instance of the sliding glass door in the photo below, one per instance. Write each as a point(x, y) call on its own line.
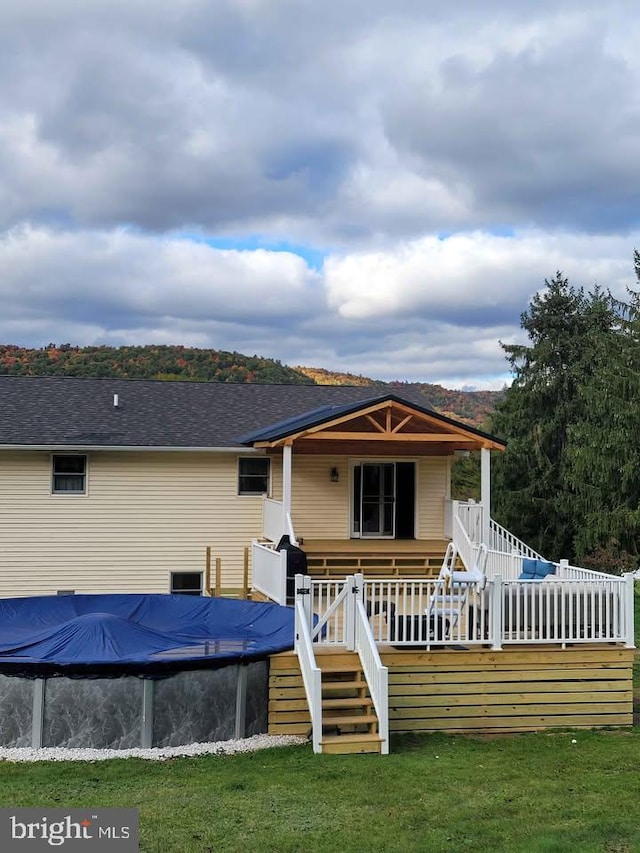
point(374, 499)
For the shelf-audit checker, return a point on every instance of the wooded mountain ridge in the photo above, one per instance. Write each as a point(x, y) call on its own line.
point(209, 365)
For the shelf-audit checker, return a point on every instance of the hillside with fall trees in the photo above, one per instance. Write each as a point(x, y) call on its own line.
point(208, 365)
point(147, 362)
point(473, 407)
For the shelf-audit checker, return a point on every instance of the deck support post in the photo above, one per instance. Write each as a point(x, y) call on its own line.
point(355, 593)
point(630, 642)
point(241, 702)
point(485, 494)
point(495, 613)
point(148, 696)
point(304, 594)
point(37, 719)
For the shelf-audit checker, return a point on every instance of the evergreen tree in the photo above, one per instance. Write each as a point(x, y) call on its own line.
point(604, 458)
point(533, 495)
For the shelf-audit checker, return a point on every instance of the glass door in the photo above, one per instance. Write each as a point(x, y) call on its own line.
point(374, 500)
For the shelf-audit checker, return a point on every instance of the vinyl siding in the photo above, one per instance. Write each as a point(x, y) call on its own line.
point(145, 515)
point(148, 514)
point(434, 485)
point(321, 509)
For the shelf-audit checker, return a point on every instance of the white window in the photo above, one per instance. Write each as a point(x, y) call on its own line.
point(253, 475)
point(186, 583)
point(69, 474)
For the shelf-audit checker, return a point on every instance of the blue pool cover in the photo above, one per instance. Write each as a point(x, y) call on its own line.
point(146, 635)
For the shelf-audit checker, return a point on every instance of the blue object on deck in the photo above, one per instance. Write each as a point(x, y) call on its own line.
point(536, 570)
point(147, 635)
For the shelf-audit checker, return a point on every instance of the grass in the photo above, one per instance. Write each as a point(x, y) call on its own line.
point(538, 792)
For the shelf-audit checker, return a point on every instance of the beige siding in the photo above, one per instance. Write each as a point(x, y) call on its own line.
point(321, 508)
point(146, 514)
point(434, 485)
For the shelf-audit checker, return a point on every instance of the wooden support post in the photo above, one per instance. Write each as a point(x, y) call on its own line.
point(207, 571)
point(218, 586)
point(245, 573)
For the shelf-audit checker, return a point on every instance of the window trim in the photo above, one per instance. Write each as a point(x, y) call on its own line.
point(69, 494)
point(193, 592)
point(261, 494)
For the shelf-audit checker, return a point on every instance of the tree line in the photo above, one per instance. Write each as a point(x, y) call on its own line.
point(569, 482)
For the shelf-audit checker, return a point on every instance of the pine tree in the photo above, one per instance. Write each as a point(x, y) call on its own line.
point(533, 496)
point(604, 459)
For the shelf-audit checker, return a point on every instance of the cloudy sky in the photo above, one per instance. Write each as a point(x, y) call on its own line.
point(374, 186)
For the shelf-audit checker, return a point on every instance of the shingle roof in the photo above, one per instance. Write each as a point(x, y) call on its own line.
point(77, 412)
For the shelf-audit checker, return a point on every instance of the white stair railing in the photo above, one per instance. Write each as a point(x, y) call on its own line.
point(311, 674)
point(500, 539)
point(376, 675)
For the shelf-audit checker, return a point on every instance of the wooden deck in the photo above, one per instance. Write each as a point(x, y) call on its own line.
point(483, 691)
point(374, 557)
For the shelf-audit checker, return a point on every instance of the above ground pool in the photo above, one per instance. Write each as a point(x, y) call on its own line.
point(120, 671)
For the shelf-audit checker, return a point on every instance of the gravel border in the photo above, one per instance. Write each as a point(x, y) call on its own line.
point(223, 747)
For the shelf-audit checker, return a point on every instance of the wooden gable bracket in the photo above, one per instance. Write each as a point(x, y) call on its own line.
point(326, 431)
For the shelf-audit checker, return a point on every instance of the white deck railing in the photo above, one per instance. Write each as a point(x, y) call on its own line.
point(376, 675)
point(275, 522)
point(575, 573)
point(269, 571)
point(469, 514)
point(503, 565)
point(311, 674)
point(406, 613)
point(568, 611)
point(433, 614)
point(272, 519)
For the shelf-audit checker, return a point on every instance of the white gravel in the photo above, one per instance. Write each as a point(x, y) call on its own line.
point(223, 747)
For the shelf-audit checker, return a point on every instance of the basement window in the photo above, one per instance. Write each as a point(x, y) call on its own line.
point(253, 475)
point(69, 475)
point(186, 583)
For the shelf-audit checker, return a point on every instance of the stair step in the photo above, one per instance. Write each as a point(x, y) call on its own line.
point(344, 668)
point(351, 743)
point(355, 702)
point(344, 685)
point(329, 720)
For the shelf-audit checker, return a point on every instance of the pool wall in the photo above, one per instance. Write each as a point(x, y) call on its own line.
point(192, 706)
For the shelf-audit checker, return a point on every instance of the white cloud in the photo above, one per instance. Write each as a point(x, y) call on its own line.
point(466, 273)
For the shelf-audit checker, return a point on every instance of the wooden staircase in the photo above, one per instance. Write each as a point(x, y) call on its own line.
point(350, 724)
point(349, 721)
point(382, 558)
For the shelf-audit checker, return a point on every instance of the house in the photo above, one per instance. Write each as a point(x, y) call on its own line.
point(110, 485)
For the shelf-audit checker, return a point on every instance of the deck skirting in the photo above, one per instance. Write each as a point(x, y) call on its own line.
point(482, 691)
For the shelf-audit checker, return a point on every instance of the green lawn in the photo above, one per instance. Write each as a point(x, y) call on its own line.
point(527, 793)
